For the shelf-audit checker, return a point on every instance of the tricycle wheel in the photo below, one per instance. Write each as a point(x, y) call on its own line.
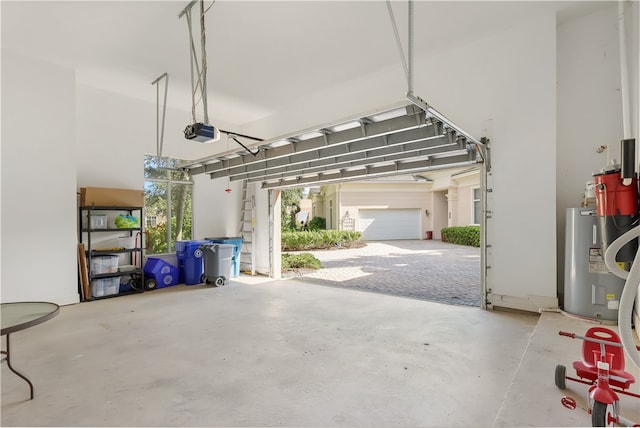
point(602, 415)
point(219, 281)
point(561, 376)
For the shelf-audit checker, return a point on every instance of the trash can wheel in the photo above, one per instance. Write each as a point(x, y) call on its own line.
point(219, 281)
point(150, 284)
point(203, 279)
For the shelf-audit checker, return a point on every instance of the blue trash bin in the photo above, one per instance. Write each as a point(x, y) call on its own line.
point(236, 241)
point(190, 264)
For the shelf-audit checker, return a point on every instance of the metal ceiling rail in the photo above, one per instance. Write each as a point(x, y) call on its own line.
point(409, 136)
point(195, 166)
point(464, 159)
point(439, 116)
point(421, 162)
point(281, 147)
point(369, 148)
point(422, 148)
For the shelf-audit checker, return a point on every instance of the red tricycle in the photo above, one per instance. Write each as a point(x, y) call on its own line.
point(602, 367)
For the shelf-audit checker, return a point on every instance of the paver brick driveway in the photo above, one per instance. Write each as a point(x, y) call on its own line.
point(428, 270)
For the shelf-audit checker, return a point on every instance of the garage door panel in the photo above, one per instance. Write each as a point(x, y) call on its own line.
point(389, 224)
point(407, 137)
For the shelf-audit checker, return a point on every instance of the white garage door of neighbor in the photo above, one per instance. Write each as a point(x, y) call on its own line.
point(388, 224)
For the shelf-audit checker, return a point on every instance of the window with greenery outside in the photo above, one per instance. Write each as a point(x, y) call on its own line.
point(168, 195)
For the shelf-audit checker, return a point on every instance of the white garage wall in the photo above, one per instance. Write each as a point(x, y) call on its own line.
point(216, 212)
point(589, 103)
point(113, 133)
point(261, 243)
point(589, 109)
point(39, 253)
point(116, 131)
point(509, 82)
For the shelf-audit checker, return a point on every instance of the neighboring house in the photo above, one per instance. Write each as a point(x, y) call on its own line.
point(154, 219)
point(404, 207)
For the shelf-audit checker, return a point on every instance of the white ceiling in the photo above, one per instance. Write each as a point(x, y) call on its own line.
point(263, 55)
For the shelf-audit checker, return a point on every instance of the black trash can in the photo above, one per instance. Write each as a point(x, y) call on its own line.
point(217, 263)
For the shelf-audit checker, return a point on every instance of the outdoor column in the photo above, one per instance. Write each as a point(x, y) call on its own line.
point(452, 200)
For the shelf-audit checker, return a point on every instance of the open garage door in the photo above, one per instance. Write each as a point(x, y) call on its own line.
point(389, 224)
point(405, 138)
point(408, 137)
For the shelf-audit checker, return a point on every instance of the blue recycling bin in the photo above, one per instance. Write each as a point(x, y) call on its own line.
point(190, 263)
point(236, 241)
point(162, 272)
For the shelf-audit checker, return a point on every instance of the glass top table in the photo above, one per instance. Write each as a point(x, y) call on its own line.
point(20, 316)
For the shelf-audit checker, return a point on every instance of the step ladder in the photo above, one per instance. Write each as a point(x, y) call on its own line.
point(247, 226)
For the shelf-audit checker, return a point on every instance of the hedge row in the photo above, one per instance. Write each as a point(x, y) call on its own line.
point(320, 239)
point(462, 235)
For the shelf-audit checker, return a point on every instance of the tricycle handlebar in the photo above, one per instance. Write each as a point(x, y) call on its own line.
point(590, 339)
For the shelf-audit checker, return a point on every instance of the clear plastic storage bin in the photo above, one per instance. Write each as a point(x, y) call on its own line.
point(105, 287)
point(98, 221)
point(104, 264)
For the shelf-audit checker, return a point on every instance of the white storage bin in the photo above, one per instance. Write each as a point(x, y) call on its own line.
point(104, 264)
point(98, 221)
point(105, 287)
point(126, 268)
point(128, 242)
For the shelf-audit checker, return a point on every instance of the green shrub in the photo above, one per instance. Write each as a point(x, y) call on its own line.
point(319, 239)
point(297, 261)
point(462, 235)
point(317, 223)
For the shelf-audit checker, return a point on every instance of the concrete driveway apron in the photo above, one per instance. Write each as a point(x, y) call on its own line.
point(420, 269)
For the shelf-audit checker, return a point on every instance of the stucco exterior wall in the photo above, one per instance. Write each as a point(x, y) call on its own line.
point(448, 198)
point(463, 211)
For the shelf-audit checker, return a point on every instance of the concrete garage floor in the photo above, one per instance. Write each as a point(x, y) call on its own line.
point(283, 353)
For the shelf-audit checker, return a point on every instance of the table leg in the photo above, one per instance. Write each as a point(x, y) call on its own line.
point(8, 358)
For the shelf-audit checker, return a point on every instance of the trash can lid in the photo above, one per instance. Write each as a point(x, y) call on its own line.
point(217, 247)
point(220, 238)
